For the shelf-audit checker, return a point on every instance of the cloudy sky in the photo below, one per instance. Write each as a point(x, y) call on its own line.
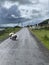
point(36, 10)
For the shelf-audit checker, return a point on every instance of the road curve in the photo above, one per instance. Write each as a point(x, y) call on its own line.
point(23, 51)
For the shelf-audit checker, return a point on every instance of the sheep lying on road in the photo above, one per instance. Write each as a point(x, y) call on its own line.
point(12, 36)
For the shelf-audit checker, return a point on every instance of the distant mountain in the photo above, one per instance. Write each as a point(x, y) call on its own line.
point(44, 22)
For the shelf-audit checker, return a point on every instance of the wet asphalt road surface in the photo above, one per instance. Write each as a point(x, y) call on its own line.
point(23, 51)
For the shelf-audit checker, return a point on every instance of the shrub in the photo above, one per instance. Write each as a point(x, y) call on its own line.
point(46, 37)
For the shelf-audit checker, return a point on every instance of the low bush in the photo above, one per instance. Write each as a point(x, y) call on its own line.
point(46, 37)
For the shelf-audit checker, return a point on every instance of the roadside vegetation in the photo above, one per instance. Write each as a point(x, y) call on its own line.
point(42, 35)
point(5, 33)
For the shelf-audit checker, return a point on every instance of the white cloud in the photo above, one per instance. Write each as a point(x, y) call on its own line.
point(8, 4)
point(25, 11)
point(38, 5)
point(14, 16)
point(34, 1)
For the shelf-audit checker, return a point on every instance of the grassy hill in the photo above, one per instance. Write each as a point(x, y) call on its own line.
point(45, 22)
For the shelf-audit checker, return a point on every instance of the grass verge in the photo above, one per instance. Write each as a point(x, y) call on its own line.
point(5, 33)
point(43, 36)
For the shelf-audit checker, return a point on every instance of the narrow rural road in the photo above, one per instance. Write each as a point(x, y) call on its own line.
point(23, 51)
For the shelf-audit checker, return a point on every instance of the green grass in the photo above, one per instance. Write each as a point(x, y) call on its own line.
point(5, 34)
point(43, 36)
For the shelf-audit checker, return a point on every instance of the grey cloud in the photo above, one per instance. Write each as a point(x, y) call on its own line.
point(5, 14)
point(39, 16)
point(13, 10)
point(47, 14)
point(35, 2)
point(20, 1)
point(35, 11)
